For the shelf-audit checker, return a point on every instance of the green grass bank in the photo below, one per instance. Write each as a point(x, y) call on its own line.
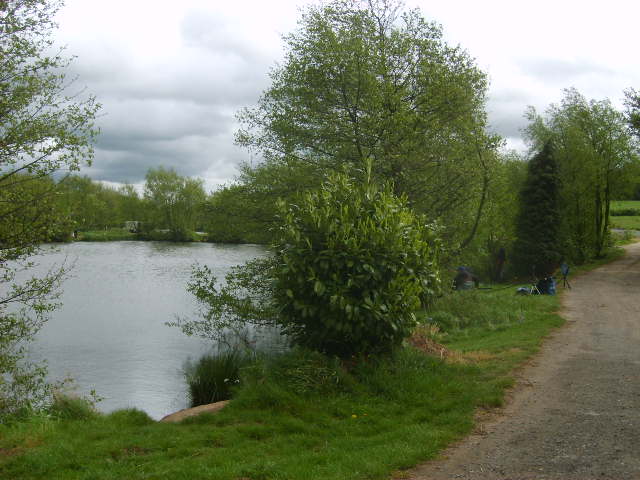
point(119, 234)
point(305, 416)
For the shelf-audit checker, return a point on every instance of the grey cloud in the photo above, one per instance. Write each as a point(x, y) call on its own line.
point(177, 114)
point(197, 77)
point(561, 72)
point(207, 31)
point(194, 156)
point(135, 120)
point(506, 112)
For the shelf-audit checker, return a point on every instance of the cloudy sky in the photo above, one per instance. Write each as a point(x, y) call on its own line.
point(172, 75)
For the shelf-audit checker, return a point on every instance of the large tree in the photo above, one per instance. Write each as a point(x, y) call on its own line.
point(45, 127)
point(365, 80)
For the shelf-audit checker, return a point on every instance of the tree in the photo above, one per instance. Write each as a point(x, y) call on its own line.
point(632, 102)
point(362, 80)
point(594, 150)
point(233, 214)
point(176, 201)
point(44, 128)
point(537, 249)
point(497, 228)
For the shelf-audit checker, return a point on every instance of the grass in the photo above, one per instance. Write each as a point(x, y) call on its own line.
point(625, 204)
point(113, 234)
point(117, 234)
point(625, 222)
point(213, 377)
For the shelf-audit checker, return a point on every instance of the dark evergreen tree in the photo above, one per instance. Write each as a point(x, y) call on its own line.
point(537, 248)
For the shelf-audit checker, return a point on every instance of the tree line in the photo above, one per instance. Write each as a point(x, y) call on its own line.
point(168, 201)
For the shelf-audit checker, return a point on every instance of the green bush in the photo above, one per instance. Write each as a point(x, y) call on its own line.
point(72, 407)
point(354, 264)
point(212, 378)
point(131, 416)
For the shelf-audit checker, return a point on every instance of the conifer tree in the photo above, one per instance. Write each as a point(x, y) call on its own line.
point(537, 248)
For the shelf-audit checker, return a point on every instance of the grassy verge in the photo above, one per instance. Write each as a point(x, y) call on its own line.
point(625, 204)
point(112, 234)
point(116, 234)
point(304, 416)
point(625, 222)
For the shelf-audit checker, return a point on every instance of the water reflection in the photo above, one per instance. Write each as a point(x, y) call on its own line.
point(110, 336)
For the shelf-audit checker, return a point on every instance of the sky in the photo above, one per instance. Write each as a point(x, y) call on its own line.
point(171, 75)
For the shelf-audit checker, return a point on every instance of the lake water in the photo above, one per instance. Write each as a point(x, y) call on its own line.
point(110, 336)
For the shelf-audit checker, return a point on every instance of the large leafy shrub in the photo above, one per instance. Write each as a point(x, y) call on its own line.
point(355, 264)
point(350, 266)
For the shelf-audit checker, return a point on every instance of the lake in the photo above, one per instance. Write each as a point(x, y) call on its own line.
point(109, 334)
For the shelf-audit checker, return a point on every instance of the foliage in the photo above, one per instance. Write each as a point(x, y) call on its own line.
point(245, 298)
point(236, 214)
point(71, 407)
point(596, 161)
point(44, 127)
point(91, 205)
point(632, 102)
point(497, 227)
point(537, 248)
point(367, 81)
point(355, 263)
point(213, 377)
point(176, 201)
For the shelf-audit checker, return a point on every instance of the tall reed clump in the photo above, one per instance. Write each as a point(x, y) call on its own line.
point(212, 378)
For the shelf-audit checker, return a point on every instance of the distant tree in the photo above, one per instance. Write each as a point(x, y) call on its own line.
point(537, 248)
point(45, 127)
point(632, 102)
point(365, 80)
point(131, 206)
point(176, 201)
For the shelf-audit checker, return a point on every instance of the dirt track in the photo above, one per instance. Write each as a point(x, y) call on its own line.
point(575, 413)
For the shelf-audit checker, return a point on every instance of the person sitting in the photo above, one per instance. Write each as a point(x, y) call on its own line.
point(465, 280)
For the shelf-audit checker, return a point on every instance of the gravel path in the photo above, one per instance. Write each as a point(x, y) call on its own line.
point(575, 414)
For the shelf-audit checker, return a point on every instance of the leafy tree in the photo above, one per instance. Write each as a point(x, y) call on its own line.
point(366, 81)
point(176, 201)
point(44, 127)
point(497, 228)
point(537, 248)
point(234, 214)
point(130, 205)
point(632, 102)
point(351, 265)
